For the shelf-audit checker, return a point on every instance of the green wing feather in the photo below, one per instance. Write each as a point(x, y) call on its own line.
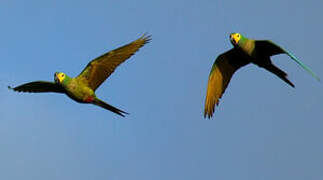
point(270, 48)
point(222, 70)
point(39, 87)
point(99, 69)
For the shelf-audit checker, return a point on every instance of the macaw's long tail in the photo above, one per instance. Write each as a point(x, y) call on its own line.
point(106, 106)
point(278, 72)
point(303, 65)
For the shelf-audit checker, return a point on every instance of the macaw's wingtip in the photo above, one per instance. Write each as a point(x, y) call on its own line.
point(146, 36)
point(123, 114)
point(208, 116)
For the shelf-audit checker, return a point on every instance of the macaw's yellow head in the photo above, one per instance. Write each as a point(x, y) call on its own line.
point(235, 38)
point(59, 77)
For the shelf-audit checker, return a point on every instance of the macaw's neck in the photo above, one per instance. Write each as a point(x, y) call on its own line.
point(242, 41)
point(66, 80)
point(247, 45)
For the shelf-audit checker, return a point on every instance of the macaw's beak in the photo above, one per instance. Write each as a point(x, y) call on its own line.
point(232, 39)
point(55, 78)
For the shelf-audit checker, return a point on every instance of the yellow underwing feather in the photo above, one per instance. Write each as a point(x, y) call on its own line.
point(99, 69)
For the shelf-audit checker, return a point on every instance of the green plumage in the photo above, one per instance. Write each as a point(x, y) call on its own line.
point(245, 51)
point(82, 88)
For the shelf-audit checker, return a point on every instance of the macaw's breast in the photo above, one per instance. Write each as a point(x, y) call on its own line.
point(79, 91)
point(248, 47)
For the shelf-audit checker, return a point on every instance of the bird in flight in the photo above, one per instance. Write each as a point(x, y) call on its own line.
point(82, 88)
point(244, 51)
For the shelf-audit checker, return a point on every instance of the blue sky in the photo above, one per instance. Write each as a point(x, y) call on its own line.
point(263, 129)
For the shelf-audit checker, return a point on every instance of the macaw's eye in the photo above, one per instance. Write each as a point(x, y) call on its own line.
point(62, 75)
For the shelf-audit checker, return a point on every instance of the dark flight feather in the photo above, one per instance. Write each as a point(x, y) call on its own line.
point(39, 87)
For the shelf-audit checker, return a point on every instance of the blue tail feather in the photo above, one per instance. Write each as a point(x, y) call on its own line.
point(303, 66)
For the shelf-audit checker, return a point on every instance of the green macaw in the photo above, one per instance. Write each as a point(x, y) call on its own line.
point(245, 51)
point(82, 88)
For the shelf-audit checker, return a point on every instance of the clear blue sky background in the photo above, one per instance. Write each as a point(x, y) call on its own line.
point(263, 129)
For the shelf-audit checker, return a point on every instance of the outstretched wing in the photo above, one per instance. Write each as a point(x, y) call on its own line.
point(99, 69)
point(39, 87)
point(222, 70)
point(269, 48)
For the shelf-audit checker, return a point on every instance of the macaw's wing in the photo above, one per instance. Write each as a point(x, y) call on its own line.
point(222, 70)
point(99, 69)
point(39, 87)
point(268, 48)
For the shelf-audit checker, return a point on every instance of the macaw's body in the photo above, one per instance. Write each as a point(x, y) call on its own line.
point(75, 88)
point(245, 51)
point(82, 88)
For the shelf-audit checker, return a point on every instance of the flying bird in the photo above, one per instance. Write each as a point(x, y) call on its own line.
point(82, 88)
point(244, 51)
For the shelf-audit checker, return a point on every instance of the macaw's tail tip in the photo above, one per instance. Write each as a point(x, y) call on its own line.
point(317, 78)
point(314, 75)
point(106, 106)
